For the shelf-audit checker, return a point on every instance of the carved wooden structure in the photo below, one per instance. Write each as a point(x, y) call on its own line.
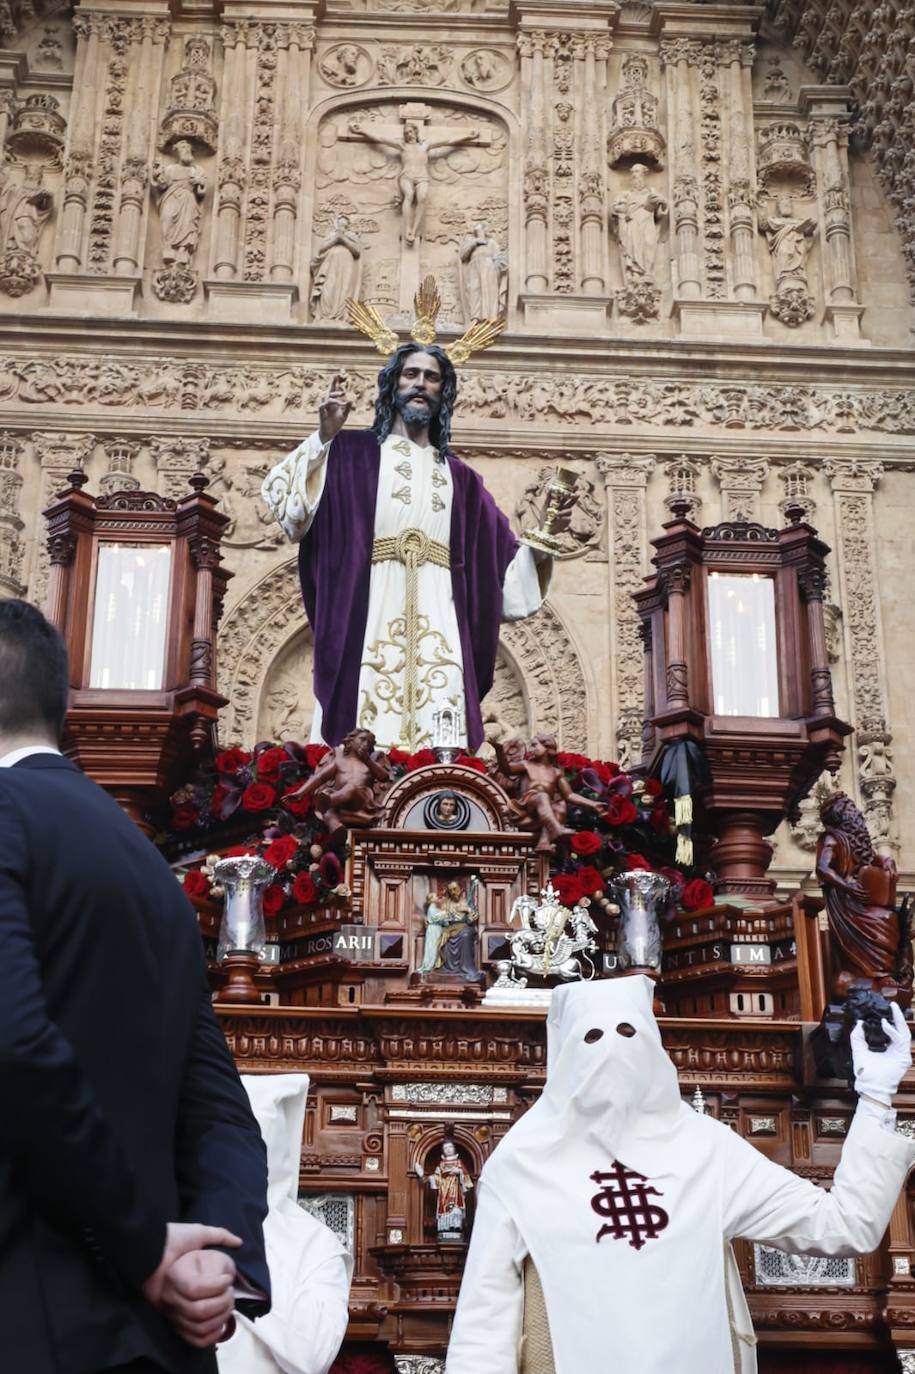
point(138, 743)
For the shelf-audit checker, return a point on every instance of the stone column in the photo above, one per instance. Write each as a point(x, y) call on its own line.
point(58, 454)
point(532, 48)
point(79, 156)
point(626, 478)
point(297, 48)
point(853, 483)
point(741, 221)
point(176, 460)
point(231, 172)
point(741, 481)
point(828, 141)
point(152, 39)
point(675, 56)
point(591, 187)
point(12, 550)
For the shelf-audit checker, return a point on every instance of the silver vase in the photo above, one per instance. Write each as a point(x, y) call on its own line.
point(639, 940)
point(243, 880)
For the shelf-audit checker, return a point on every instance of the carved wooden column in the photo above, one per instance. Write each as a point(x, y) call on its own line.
point(532, 49)
point(828, 126)
point(78, 159)
point(626, 477)
point(812, 583)
point(11, 525)
point(853, 483)
point(296, 49)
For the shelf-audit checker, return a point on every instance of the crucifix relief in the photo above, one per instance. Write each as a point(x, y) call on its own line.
point(415, 143)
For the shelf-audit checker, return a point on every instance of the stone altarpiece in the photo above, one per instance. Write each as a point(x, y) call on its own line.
point(705, 284)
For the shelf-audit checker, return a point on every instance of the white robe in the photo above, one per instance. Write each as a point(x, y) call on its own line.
point(309, 1270)
point(674, 1302)
point(414, 492)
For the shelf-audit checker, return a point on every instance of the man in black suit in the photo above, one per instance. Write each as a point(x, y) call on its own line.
point(132, 1171)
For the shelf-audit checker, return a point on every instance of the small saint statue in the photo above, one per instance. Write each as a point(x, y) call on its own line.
point(451, 1182)
point(450, 941)
point(344, 783)
point(181, 186)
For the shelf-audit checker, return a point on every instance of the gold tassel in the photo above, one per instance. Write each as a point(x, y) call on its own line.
point(683, 810)
point(684, 853)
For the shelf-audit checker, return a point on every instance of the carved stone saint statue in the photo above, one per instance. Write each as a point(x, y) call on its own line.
point(182, 187)
point(451, 1183)
point(483, 266)
point(790, 240)
point(636, 213)
point(870, 938)
point(416, 155)
point(451, 934)
point(336, 270)
point(24, 210)
point(344, 783)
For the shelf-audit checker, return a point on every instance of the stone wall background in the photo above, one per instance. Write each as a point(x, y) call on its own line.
point(157, 315)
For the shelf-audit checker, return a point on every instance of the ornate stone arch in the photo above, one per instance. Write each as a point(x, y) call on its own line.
point(539, 671)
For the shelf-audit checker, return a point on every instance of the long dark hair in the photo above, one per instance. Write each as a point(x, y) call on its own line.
point(389, 376)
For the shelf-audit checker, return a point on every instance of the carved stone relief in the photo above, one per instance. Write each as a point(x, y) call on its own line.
point(25, 207)
point(587, 518)
point(12, 548)
point(347, 65)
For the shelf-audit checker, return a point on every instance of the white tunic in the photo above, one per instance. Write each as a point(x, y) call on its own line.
point(414, 493)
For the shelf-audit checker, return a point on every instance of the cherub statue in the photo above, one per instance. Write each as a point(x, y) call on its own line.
point(343, 784)
point(451, 1183)
point(544, 800)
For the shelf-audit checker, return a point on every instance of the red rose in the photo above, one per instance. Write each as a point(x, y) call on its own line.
point(572, 761)
point(634, 861)
point(590, 881)
point(469, 761)
point(660, 820)
point(585, 842)
point(238, 850)
point(196, 884)
point(281, 851)
point(696, 895)
point(273, 898)
point(304, 890)
point(421, 759)
point(183, 817)
point(299, 806)
point(652, 788)
point(259, 796)
point(567, 887)
point(605, 771)
point(230, 760)
point(314, 753)
point(621, 810)
point(331, 869)
point(398, 758)
point(270, 762)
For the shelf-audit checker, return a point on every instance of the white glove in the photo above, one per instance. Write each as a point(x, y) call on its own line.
point(878, 1073)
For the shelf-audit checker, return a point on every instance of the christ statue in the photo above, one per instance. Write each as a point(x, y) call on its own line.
point(416, 155)
point(406, 564)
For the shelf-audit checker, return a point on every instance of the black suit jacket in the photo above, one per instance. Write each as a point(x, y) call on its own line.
point(120, 1106)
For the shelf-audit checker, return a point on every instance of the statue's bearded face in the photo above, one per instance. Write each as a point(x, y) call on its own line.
point(419, 388)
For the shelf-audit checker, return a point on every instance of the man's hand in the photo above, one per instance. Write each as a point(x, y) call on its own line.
point(334, 409)
point(198, 1296)
point(181, 1238)
point(878, 1073)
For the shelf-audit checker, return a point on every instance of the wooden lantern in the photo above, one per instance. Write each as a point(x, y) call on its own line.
point(135, 588)
point(735, 659)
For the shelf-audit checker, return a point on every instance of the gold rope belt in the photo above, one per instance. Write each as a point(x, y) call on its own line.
point(412, 548)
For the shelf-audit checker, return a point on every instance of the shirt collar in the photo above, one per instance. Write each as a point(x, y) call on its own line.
point(7, 760)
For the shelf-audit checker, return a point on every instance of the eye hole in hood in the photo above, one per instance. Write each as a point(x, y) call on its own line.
point(593, 1035)
point(624, 1028)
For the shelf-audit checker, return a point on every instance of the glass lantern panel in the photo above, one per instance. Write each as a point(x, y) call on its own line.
point(131, 617)
point(742, 636)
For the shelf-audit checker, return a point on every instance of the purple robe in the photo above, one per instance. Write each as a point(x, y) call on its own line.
point(335, 563)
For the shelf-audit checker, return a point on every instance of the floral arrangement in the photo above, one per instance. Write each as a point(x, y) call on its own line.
point(255, 792)
point(253, 796)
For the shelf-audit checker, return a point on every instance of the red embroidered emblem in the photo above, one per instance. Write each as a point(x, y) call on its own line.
point(623, 1199)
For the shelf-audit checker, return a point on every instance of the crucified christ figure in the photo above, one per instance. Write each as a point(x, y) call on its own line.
point(415, 155)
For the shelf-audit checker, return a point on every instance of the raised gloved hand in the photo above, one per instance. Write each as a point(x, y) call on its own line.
point(878, 1073)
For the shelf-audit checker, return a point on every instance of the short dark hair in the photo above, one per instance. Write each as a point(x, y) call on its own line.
point(389, 376)
point(34, 673)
